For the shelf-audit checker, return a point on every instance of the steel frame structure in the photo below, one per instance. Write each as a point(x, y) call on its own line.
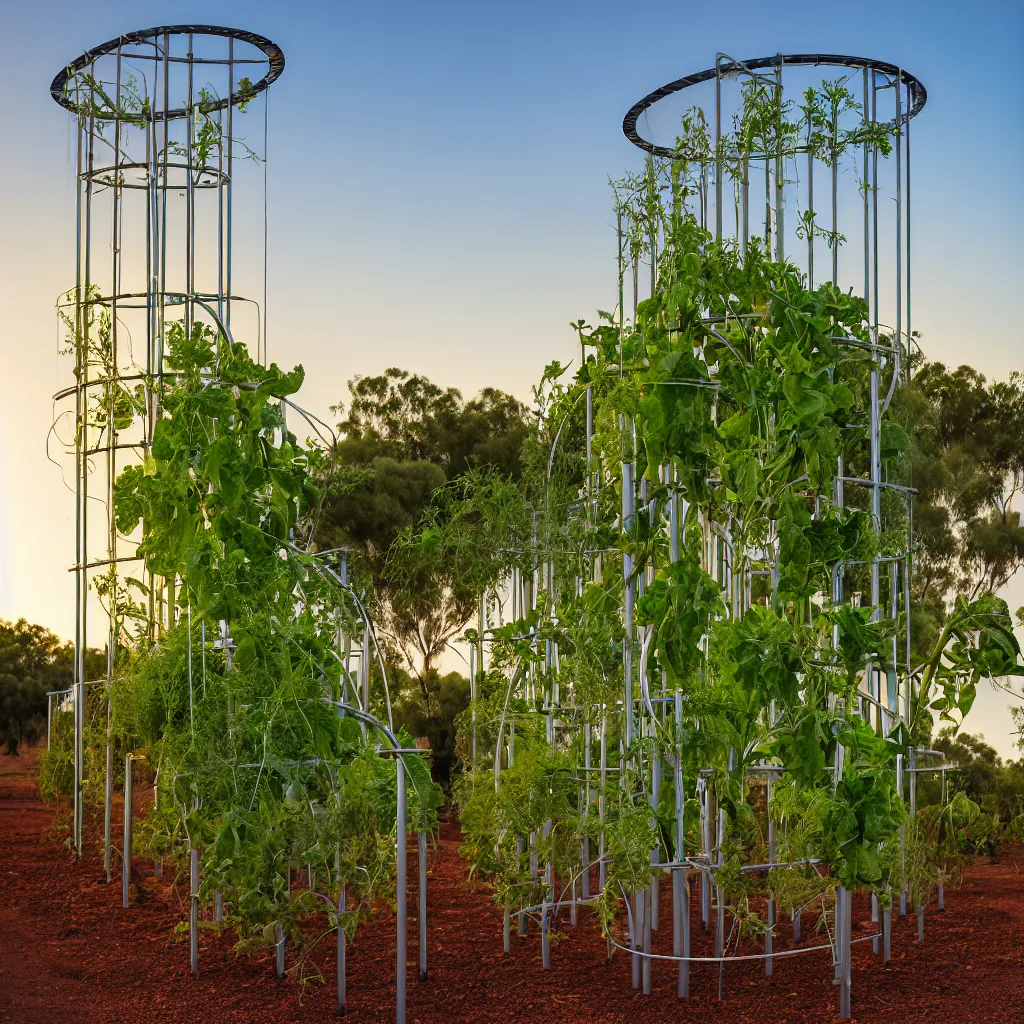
point(167, 161)
point(141, 263)
point(889, 95)
point(158, 155)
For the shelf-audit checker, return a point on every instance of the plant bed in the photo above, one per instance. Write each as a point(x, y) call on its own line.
point(71, 954)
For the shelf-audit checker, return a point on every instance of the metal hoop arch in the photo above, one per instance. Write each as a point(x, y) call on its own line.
point(273, 53)
point(918, 93)
point(209, 177)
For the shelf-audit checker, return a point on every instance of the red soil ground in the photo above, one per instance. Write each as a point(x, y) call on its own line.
point(70, 954)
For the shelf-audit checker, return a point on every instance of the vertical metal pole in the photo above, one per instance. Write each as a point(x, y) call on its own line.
point(681, 929)
point(422, 856)
point(867, 197)
point(903, 837)
point(108, 796)
point(719, 895)
point(874, 684)
point(770, 930)
point(810, 206)
point(718, 148)
point(639, 906)
point(112, 372)
point(591, 510)
point(342, 897)
point(400, 895)
point(843, 938)
point(364, 665)
point(473, 696)
point(912, 785)
point(190, 254)
point(80, 311)
point(628, 507)
point(899, 225)
point(705, 828)
point(521, 915)
point(546, 910)
point(942, 893)
point(79, 762)
point(279, 947)
point(720, 935)
point(126, 862)
point(588, 793)
point(193, 911)
point(620, 263)
point(874, 205)
point(602, 868)
point(646, 898)
point(83, 442)
point(680, 879)
point(231, 176)
point(161, 245)
point(655, 790)
point(780, 223)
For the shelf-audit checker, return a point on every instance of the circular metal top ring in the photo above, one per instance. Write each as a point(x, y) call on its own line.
point(918, 94)
point(273, 53)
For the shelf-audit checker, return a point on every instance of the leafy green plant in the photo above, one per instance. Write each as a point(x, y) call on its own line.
point(234, 697)
point(705, 539)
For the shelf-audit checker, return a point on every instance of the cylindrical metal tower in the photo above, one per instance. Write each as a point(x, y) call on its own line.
point(164, 168)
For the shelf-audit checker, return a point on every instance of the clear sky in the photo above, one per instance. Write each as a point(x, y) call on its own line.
point(438, 196)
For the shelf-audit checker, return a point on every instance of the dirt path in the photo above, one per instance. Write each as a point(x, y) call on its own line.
point(41, 975)
point(70, 954)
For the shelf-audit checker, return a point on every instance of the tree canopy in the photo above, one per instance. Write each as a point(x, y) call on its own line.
point(402, 440)
point(968, 466)
point(33, 662)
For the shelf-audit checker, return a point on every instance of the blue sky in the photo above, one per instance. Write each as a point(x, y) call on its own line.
point(438, 195)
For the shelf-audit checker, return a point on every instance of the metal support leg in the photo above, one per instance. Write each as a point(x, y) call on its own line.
point(719, 935)
point(279, 937)
point(681, 928)
point(645, 967)
point(400, 898)
point(342, 903)
point(126, 862)
point(638, 931)
point(546, 909)
point(837, 965)
point(193, 911)
point(79, 691)
point(422, 852)
point(769, 935)
point(520, 917)
point(108, 800)
point(843, 938)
